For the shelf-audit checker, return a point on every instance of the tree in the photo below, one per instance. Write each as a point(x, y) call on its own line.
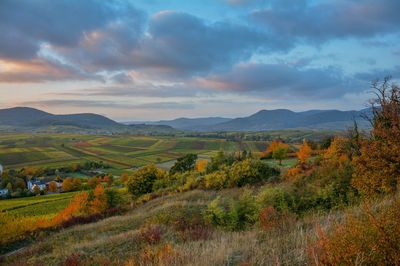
point(184, 164)
point(77, 183)
point(99, 203)
point(141, 182)
point(93, 182)
point(280, 153)
point(67, 184)
point(53, 186)
point(377, 168)
point(304, 152)
point(278, 150)
point(9, 187)
point(20, 183)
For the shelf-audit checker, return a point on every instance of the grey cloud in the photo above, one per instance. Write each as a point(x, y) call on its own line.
point(175, 45)
point(27, 24)
point(280, 80)
point(107, 104)
point(379, 74)
point(330, 19)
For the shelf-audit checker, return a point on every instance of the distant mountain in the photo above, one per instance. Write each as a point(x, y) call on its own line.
point(285, 119)
point(26, 119)
point(31, 117)
point(191, 123)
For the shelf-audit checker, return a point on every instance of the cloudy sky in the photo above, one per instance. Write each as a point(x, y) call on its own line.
point(160, 59)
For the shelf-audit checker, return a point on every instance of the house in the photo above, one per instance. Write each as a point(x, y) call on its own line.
point(3, 192)
point(36, 183)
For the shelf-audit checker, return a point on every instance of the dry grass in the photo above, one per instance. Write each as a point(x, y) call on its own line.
point(129, 239)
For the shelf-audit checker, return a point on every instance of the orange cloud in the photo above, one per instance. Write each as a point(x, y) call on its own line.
point(37, 70)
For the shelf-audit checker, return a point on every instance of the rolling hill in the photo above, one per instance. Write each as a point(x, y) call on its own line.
point(28, 119)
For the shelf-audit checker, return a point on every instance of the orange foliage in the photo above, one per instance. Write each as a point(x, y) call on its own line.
point(78, 206)
point(304, 152)
point(370, 239)
point(275, 145)
point(53, 186)
point(93, 182)
point(99, 203)
point(163, 255)
point(268, 218)
point(201, 165)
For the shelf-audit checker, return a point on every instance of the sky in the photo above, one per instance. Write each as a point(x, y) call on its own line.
point(158, 59)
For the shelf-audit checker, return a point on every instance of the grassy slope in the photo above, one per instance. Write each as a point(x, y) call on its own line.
point(116, 239)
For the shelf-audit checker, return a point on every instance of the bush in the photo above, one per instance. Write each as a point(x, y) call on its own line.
point(217, 179)
point(250, 171)
point(369, 239)
point(142, 181)
point(236, 215)
point(276, 197)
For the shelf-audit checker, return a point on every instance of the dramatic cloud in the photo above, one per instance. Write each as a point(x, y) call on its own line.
point(327, 20)
point(26, 24)
point(280, 80)
point(132, 54)
point(175, 44)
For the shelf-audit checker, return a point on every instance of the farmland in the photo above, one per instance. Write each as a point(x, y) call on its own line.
point(45, 206)
point(120, 152)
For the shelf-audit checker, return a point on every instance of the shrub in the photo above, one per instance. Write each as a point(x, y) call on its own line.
point(250, 171)
point(275, 197)
point(369, 239)
point(141, 182)
point(217, 179)
point(151, 234)
point(235, 215)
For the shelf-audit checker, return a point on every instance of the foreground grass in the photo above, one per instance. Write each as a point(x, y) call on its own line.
point(120, 239)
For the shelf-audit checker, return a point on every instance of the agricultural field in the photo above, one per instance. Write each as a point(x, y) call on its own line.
point(45, 206)
point(122, 153)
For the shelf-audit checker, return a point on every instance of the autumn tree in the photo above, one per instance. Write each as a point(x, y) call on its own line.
point(77, 183)
point(99, 203)
point(67, 184)
point(71, 184)
point(278, 150)
point(53, 186)
point(304, 152)
point(377, 168)
point(93, 182)
point(201, 165)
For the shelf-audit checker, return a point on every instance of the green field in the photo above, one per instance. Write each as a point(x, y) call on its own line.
point(120, 152)
point(47, 205)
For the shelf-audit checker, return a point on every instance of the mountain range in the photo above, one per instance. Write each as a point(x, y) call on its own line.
point(279, 119)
